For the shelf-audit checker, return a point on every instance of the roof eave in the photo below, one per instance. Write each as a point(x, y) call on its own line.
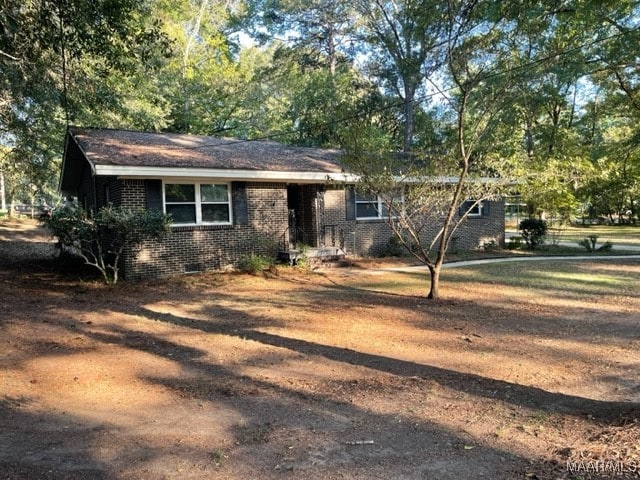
point(132, 172)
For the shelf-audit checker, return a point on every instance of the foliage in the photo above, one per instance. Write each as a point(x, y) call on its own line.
point(255, 263)
point(421, 190)
point(302, 261)
point(590, 242)
point(533, 231)
point(514, 243)
point(407, 47)
point(394, 248)
point(490, 246)
point(71, 61)
point(547, 94)
point(102, 238)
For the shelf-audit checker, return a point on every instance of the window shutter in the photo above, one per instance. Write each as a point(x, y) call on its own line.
point(154, 194)
point(350, 202)
point(486, 211)
point(464, 207)
point(239, 201)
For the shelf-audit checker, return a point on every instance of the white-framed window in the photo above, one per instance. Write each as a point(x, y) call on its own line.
point(198, 203)
point(476, 210)
point(372, 206)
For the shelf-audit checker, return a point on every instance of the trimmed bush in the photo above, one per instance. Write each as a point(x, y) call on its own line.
point(533, 231)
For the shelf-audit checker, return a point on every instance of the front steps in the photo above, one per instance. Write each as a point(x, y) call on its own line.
point(313, 255)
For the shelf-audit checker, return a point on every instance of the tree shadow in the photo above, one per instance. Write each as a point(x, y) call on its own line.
point(278, 417)
point(49, 446)
point(472, 384)
point(295, 432)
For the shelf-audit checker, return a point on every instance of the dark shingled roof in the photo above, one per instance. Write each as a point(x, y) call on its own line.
point(141, 149)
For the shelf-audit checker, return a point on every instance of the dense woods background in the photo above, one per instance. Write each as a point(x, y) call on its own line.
point(545, 92)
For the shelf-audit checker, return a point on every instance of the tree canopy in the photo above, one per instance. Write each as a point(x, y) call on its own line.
point(549, 90)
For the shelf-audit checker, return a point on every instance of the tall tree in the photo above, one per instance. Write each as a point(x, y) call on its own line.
point(204, 76)
point(406, 40)
point(59, 58)
point(323, 29)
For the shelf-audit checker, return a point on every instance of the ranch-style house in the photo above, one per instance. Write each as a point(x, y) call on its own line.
point(229, 198)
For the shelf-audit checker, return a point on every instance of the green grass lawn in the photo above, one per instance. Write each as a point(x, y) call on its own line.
point(548, 277)
point(616, 234)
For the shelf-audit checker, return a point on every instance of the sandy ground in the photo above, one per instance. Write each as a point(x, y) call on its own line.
point(345, 374)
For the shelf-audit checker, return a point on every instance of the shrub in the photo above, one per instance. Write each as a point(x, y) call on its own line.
point(303, 262)
point(515, 243)
point(490, 246)
point(394, 248)
point(533, 231)
point(255, 263)
point(590, 242)
point(100, 239)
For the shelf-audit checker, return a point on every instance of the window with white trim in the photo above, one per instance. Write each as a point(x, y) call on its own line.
point(370, 206)
point(474, 210)
point(198, 203)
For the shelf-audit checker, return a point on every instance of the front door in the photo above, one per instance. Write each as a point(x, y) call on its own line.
point(306, 213)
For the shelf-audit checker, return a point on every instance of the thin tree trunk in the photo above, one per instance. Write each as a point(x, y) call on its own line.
point(185, 63)
point(331, 49)
point(434, 273)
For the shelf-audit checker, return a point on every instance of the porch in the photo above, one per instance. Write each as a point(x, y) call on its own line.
point(308, 235)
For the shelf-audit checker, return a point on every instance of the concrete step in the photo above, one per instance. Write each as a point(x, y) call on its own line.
point(314, 255)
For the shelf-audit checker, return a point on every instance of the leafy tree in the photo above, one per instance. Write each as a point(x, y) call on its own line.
point(101, 239)
point(71, 61)
point(204, 79)
point(565, 108)
point(451, 180)
point(322, 29)
point(406, 42)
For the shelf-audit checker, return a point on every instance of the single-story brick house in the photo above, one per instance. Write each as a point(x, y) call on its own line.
point(229, 198)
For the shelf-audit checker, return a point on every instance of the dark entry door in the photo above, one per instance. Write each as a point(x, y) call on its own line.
point(303, 205)
point(294, 204)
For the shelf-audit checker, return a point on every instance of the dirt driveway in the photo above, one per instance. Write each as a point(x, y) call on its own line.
point(339, 375)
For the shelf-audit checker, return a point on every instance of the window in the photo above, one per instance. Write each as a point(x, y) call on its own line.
point(476, 210)
point(370, 206)
point(198, 203)
point(367, 206)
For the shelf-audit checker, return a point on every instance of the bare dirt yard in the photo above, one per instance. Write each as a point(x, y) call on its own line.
point(520, 371)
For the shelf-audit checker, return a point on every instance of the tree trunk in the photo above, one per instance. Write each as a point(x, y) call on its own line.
point(331, 49)
point(192, 35)
point(434, 272)
point(409, 96)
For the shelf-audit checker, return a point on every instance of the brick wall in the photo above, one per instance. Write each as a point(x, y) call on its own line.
point(199, 248)
point(208, 247)
point(371, 237)
point(339, 229)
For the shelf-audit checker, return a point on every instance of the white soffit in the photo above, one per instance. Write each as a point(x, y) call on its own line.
point(249, 175)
